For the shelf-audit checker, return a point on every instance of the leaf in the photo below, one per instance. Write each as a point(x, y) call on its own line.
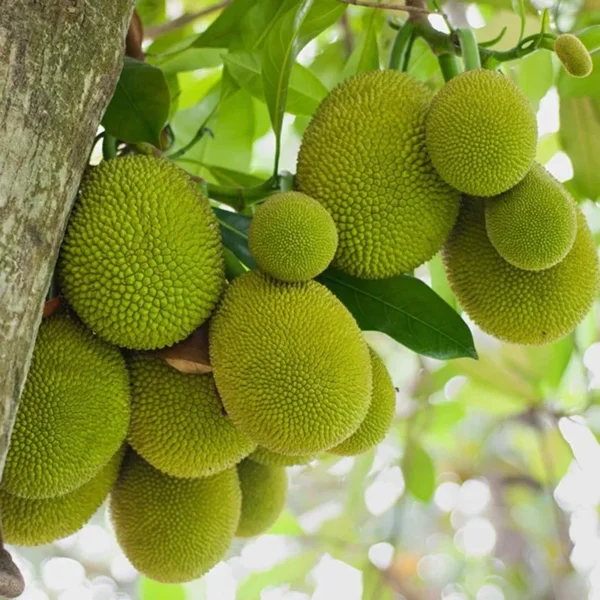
point(419, 472)
point(407, 310)
point(140, 105)
point(190, 59)
point(151, 11)
point(234, 230)
point(233, 265)
point(286, 524)
point(153, 590)
point(225, 26)
point(534, 74)
point(365, 56)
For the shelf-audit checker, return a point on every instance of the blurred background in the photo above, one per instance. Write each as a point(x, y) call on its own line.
point(488, 484)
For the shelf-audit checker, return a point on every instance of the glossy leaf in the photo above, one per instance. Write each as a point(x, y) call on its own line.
point(366, 54)
point(234, 230)
point(225, 27)
point(419, 472)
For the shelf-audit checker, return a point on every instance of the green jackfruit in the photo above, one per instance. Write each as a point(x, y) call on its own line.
point(33, 522)
point(379, 418)
point(273, 459)
point(142, 262)
point(533, 225)
point(363, 156)
point(73, 415)
point(264, 491)
point(573, 55)
point(178, 423)
point(514, 305)
point(481, 133)
point(292, 237)
point(173, 530)
point(290, 364)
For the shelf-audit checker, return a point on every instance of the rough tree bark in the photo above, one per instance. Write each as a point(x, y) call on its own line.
point(59, 63)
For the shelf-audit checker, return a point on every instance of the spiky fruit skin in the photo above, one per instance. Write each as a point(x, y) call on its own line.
point(533, 225)
point(573, 55)
point(514, 305)
point(292, 237)
point(178, 423)
point(173, 530)
point(73, 414)
point(28, 522)
point(290, 363)
point(379, 418)
point(273, 459)
point(481, 133)
point(264, 490)
point(141, 262)
point(363, 156)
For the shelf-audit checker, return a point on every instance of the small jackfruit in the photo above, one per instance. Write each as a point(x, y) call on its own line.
point(292, 237)
point(264, 491)
point(481, 133)
point(514, 305)
point(363, 156)
point(533, 225)
point(379, 418)
point(290, 364)
point(178, 423)
point(573, 55)
point(173, 530)
point(28, 522)
point(142, 262)
point(73, 415)
point(273, 459)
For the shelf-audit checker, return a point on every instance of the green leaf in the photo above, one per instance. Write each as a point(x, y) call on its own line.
point(225, 27)
point(534, 74)
point(190, 59)
point(439, 281)
point(286, 524)
point(153, 590)
point(233, 265)
point(365, 56)
point(151, 11)
point(140, 105)
point(375, 584)
point(419, 472)
point(229, 177)
point(407, 310)
point(234, 230)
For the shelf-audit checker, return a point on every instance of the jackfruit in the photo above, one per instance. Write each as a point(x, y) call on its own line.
point(142, 262)
point(573, 55)
point(173, 530)
point(379, 418)
point(73, 415)
point(292, 237)
point(290, 364)
point(33, 522)
point(273, 459)
point(264, 491)
point(533, 225)
point(514, 305)
point(363, 156)
point(178, 423)
point(481, 133)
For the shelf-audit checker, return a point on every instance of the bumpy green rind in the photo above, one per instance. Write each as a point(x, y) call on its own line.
point(264, 491)
point(573, 55)
point(178, 423)
point(173, 530)
point(73, 415)
point(514, 305)
point(292, 237)
point(290, 363)
point(273, 459)
point(481, 133)
point(142, 262)
point(363, 156)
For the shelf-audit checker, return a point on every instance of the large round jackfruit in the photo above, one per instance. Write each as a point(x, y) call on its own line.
point(273, 459)
point(178, 423)
point(514, 305)
point(481, 133)
point(573, 55)
point(363, 156)
point(142, 262)
point(173, 530)
point(379, 418)
point(533, 225)
point(292, 237)
point(73, 415)
point(28, 522)
point(264, 491)
point(290, 364)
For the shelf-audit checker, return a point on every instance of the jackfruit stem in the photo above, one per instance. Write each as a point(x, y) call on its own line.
point(402, 47)
point(469, 48)
point(449, 65)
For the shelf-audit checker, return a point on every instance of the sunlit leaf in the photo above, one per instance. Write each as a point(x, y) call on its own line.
point(153, 590)
point(419, 472)
point(225, 27)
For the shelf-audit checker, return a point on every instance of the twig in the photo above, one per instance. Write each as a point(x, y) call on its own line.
point(183, 20)
point(389, 6)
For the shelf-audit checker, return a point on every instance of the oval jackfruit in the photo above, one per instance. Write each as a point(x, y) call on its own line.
point(533, 225)
point(173, 530)
point(573, 55)
point(273, 459)
point(481, 133)
point(264, 490)
point(142, 262)
point(514, 305)
point(379, 418)
point(73, 415)
point(178, 423)
point(290, 364)
point(363, 156)
point(28, 522)
point(292, 237)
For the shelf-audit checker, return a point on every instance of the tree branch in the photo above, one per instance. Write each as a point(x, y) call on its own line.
point(183, 20)
point(408, 7)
